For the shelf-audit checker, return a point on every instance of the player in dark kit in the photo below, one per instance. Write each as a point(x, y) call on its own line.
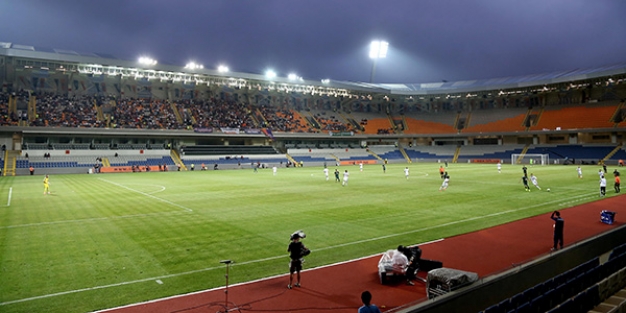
point(525, 169)
point(525, 181)
point(337, 176)
point(559, 223)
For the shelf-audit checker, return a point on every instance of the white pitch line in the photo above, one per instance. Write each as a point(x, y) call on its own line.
point(276, 257)
point(162, 189)
point(10, 193)
point(147, 195)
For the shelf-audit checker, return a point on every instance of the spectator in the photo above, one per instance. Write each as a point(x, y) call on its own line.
point(368, 307)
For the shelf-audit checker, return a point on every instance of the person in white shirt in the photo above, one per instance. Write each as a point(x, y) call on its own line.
point(326, 172)
point(361, 167)
point(345, 178)
point(400, 263)
point(406, 173)
point(444, 184)
point(533, 179)
point(274, 170)
point(602, 186)
point(499, 167)
point(580, 172)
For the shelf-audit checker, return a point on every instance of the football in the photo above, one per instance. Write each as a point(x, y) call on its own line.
point(548, 190)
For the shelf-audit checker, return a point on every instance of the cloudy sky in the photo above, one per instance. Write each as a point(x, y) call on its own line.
point(430, 40)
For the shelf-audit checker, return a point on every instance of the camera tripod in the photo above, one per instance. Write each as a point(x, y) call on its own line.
point(226, 308)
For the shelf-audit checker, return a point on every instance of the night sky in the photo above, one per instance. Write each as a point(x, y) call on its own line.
point(430, 41)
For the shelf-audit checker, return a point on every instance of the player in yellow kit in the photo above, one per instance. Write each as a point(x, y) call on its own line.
point(46, 185)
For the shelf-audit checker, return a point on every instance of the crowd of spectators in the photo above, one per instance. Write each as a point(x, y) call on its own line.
point(282, 120)
point(331, 123)
point(144, 114)
point(219, 113)
point(53, 110)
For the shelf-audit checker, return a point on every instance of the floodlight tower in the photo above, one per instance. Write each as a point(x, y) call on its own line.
point(378, 50)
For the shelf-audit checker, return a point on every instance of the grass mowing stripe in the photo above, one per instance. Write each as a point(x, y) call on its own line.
point(282, 256)
point(95, 219)
point(147, 194)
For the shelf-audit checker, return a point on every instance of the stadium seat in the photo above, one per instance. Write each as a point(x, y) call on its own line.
point(517, 300)
point(494, 309)
point(524, 308)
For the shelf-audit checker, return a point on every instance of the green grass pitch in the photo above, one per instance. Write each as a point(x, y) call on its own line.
point(100, 241)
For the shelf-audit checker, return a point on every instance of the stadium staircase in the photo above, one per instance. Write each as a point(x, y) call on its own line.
point(457, 152)
point(526, 123)
point(177, 160)
point(406, 156)
point(179, 118)
point(521, 155)
point(352, 121)
point(461, 122)
point(468, 120)
point(613, 152)
point(193, 117)
point(255, 120)
point(99, 114)
point(12, 104)
point(106, 162)
point(10, 160)
point(335, 157)
point(393, 124)
point(379, 158)
point(32, 108)
point(618, 115)
point(259, 113)
point(293, 161)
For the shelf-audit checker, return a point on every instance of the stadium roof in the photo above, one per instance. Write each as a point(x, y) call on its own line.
point(408, 89)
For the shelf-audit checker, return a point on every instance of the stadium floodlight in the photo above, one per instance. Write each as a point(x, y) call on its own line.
point(222, 69)
point(378, 50)
point(293, 76)
point(147, 61)
point(270, 74)
point(193, 66)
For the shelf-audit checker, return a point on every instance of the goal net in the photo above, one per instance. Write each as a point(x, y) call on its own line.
point(530, 158)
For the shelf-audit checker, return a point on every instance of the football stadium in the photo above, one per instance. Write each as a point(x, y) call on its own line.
point(178, 189)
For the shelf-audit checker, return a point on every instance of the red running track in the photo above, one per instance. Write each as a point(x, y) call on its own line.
point(337, 288)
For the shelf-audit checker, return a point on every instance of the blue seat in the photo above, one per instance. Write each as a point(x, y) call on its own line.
point(493, 309)
point(505, 305)
point(524, 308)
point(517, 300)
point(530, 293)
point(550, 300)
point(537, 304)
point(561, 293)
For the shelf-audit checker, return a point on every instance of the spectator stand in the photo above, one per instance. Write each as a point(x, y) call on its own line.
point(61, 161)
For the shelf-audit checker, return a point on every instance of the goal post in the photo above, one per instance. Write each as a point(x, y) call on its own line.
point(530, 159)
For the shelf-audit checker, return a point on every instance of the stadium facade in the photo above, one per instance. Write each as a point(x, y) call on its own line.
point(408, 108)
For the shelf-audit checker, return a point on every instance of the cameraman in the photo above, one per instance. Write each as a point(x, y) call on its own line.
point(296, 251)
point(402, 263)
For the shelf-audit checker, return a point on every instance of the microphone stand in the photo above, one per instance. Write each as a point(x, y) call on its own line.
point(226, 309)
